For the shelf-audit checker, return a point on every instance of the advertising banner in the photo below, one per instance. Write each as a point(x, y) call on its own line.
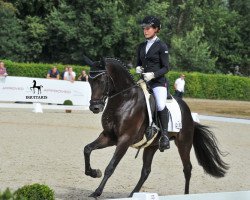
point(40, 90)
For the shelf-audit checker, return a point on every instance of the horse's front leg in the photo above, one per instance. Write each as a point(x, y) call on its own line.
point(101, 142)
point(121, 149)
point(148, 155)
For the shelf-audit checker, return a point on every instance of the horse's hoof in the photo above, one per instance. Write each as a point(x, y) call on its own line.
point(94, 195)
point(98, 173)
point(95, 173)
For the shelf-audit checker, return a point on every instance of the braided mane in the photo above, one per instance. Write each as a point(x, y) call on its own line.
point(122, 66)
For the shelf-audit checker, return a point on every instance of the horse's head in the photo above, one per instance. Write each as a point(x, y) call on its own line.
point(107, 78)
point(98, 80)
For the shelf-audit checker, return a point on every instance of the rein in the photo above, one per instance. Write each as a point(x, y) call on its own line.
point(122, 91)
point(106, 93)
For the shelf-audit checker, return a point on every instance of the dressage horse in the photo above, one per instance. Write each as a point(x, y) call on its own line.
point(125, 120)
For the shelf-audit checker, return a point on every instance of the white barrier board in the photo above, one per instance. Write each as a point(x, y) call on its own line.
point(240, 195)
point(41, 90)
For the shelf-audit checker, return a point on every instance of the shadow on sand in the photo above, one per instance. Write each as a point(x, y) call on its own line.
point(73, 193)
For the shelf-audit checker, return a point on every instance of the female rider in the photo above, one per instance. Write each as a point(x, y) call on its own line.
point(152, 62)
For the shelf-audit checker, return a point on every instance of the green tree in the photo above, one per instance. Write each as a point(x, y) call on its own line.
point(11, 35)
point(38, 8)
point(35, 38)
point(242, 7)
point(191, 53)
point(64, 31)
point(221, 28)
point(222, 32)
point(79, 28)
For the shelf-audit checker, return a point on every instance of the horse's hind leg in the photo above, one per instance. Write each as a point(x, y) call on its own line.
point(184, 151)
point(101, 142)
point(121, 149)
point(148, 155)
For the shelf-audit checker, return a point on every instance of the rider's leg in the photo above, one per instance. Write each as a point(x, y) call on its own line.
point(168, 90)
point(160, 94)
point(164, 140)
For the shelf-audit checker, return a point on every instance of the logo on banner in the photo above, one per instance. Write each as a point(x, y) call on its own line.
point(36, 88)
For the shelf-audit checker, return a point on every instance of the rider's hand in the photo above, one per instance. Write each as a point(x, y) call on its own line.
point(148, 76)
point(139, 69)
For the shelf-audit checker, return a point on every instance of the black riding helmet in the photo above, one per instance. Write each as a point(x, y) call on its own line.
point(151, 21)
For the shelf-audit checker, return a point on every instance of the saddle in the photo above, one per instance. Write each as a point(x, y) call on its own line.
point(174, 124)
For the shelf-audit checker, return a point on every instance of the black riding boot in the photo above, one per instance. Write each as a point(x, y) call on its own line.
point(164, 140)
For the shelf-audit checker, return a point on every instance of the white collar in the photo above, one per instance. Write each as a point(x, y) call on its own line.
point(152, 40)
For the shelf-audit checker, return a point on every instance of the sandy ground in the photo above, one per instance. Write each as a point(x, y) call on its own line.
point(47, 148)
point(239, 109)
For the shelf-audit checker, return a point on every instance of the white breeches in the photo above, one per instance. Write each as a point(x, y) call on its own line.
point(160, 94)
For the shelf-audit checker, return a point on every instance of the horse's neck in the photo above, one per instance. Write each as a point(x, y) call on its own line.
point(34, 85)
point(120, 78)
point(121, 83)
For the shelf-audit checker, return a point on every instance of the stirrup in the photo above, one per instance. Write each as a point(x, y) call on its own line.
point(151, 131)
point(166, 144)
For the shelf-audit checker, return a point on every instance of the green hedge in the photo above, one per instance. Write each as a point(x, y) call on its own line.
point(211, 86)
point(198, 85)
point(29, 192)
point(38, 70)
point(214, 86)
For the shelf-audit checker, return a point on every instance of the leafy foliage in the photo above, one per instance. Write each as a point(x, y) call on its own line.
point(11, 34)
point(56, 31)
point(34, 192)
point(38, 70)
point(222, 32)
point(35, 38)
point(6, 195)
point(68, 103)
point(190, 53)
point(29, 192)
point(214, 86)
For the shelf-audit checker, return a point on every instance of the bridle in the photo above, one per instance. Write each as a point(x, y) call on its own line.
point(107, 91)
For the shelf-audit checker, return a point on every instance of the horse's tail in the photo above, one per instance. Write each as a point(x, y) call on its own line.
point(207, 151)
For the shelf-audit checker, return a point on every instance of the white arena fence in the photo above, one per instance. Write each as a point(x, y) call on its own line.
point(240, 195)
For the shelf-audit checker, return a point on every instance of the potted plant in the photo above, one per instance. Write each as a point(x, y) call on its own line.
point(68, 103)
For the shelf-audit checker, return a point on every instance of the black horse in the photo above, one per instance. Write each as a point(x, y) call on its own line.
point(38, 87)
point(125, 120)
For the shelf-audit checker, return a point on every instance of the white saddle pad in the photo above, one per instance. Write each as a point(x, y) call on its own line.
point(175, 120)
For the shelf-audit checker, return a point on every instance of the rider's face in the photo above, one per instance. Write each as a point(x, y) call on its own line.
point(149, 32)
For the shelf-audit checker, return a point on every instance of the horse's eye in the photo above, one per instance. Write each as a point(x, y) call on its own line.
point(91, 74)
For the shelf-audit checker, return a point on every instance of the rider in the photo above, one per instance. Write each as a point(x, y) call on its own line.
point(152, 62)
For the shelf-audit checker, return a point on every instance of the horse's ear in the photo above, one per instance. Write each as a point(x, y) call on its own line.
point(88, 61)
point(103, 63)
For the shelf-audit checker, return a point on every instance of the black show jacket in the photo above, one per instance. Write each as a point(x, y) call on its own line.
point(156, 61)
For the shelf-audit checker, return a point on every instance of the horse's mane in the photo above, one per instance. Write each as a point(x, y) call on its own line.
point(121, 65)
